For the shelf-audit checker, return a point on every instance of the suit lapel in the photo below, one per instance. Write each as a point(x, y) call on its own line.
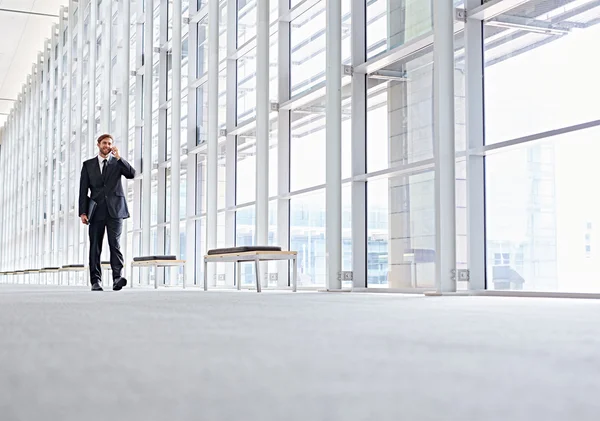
point(95, 168)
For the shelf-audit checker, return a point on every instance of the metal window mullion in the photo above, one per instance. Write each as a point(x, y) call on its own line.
point(79, 141)
point(125, 15)
point(231, 122)
point(106, 67)
point(333, 191)
point(58, 140)
point(30, 171)
point(262, 125)
point(283, 141)
point(192, 251)
point(162, 130)
point(69, 136)
point(176, 133)
point(48, 132)
point(359, 146)
point(19, 171)
point(213, 130)
point(91, 114)
point(476, 247)
point(444, 148)
point(147, 137)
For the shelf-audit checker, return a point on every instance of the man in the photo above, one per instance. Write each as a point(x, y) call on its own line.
point(102, 175)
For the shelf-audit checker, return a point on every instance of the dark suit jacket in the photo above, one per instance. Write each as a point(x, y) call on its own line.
point(105, 188)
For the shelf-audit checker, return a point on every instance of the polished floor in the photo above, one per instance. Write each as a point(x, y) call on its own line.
point(70, 354)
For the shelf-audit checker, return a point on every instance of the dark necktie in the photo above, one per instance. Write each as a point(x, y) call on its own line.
point(103, 167)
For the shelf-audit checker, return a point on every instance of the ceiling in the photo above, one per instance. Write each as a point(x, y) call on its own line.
point(23, 28)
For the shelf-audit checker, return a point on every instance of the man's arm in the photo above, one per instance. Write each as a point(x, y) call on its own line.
point(84, 186)
point(126, 169)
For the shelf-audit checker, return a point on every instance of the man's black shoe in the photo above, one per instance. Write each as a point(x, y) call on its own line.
point(97, 287)
point(119, 283)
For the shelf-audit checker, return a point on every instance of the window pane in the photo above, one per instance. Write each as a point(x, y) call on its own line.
point(400, 117)
point(520, 89)
point(391, 24)
point(401, 232)
point(307, 237)
point(537, 223)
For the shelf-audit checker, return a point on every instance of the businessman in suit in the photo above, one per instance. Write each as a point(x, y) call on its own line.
point(102, 176)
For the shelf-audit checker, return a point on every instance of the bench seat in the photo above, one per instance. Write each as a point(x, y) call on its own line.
point(254, 254)
point(157, 261)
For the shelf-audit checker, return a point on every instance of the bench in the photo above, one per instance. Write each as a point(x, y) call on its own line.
point(254, 254)
point(73, 268)
point(156, 262)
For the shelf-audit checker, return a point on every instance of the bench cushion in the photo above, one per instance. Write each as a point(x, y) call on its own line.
point(51, 268)
point(72, 266)
point(105, 262)
point(243, 249)
point(146, 258)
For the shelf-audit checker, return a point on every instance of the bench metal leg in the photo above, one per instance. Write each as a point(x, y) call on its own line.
point(184, 275)
point(295, 279)
point(238, 275)
point(155, 277)
point(205, 275)
point(257, 265)
point(131, 277)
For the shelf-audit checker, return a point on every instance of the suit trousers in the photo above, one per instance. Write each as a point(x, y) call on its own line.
point(113, 227)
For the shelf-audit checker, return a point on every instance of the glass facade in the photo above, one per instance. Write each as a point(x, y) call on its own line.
point(500, 202)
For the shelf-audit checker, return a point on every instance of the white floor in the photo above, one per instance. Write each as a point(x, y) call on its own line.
point(70, 354)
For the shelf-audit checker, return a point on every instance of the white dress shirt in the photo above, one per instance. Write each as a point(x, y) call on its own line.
point(101, 160)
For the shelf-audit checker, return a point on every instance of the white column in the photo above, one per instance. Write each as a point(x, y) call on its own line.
point(445, 161)
point(147, 140)
point(176, 134)
point(50, 93)
point(60, 139)
point(91, 114)
point(262, 126)
point(212, 176)
point(283, 143)
point(475, 139)
point(124, 112)
point(191, 246)
point(231, 119)
point(359, 146)
point(79, 140)
point(333, 200)
point(30, 157)
point(106, 67)
point(68, 136)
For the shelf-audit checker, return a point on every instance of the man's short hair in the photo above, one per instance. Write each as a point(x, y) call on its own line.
point(104, 136)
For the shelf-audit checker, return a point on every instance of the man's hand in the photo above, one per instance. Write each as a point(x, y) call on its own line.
point(115, 152)
point(84, 219)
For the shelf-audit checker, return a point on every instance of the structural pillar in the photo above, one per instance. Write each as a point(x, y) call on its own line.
point(444, 148)
point(147, 139)
point(212, 176)
point(333, 194)
point(262, 128)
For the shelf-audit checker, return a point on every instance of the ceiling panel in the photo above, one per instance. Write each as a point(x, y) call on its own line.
point(22, 35)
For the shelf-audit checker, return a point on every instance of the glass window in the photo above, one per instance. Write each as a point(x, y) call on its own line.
point(246, 170)
point(401, 231)
point(246, 87)
point(522, 96)
point(307, 237)
point(534, 229)
point(201, 114)
point(308, 148)
point(391, 24)
point(246, 20)
point(202, 54)
point(400, 116)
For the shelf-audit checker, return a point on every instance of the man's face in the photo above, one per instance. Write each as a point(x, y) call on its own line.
point(105, 146)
